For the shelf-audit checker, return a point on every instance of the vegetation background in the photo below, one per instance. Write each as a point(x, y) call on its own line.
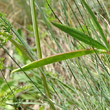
point(81, 83)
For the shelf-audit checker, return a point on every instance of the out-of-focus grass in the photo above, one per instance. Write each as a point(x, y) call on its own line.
point(16, 10)
point(82, 83)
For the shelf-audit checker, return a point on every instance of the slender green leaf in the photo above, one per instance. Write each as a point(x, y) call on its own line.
point(57, 58)
point(94, 19)
point(80, 36)
point(21, 48)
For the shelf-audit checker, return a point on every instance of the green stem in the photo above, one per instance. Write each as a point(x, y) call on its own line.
point(35, 28)
point(39, 53)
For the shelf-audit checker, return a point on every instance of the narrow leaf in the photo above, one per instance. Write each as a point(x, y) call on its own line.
point(94, 19)
point(56, 58)
point(79, 36)
point(21, 48)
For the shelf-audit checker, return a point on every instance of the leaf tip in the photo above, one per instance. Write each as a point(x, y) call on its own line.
point(15, 70)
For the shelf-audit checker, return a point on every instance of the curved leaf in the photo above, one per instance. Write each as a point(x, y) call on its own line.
point(79, 36)
point(57, 58)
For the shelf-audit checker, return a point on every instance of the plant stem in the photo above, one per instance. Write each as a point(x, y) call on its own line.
point(35, 28)
point(39, 53)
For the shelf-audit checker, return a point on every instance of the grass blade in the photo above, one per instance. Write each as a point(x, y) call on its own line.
point(94, 19)
point(79, 36)
point(57, 58)
point(21, 48)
